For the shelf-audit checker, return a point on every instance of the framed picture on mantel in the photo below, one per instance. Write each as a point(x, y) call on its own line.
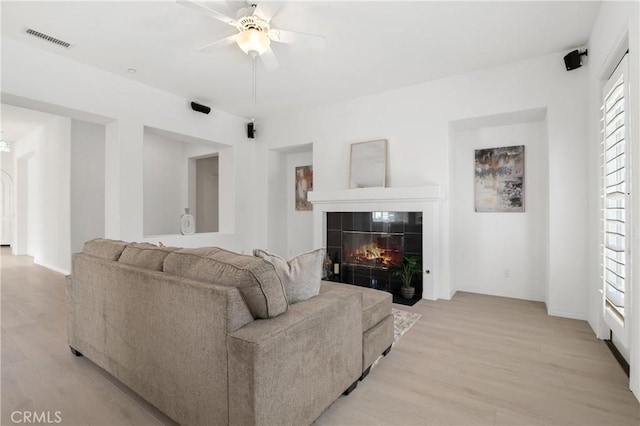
point(304, 184)
point(368, 165)
point(499, 179)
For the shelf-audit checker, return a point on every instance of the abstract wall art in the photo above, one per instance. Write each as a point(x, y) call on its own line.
point(499, 179)
point(304, 184)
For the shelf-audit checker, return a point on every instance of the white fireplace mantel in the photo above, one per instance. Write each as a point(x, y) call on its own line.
point(373, 195)
point(425, 199)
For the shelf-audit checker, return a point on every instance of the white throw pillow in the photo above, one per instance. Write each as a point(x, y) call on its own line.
point(300, 276)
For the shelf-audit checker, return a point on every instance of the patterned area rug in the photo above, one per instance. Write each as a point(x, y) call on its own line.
point(402, 322)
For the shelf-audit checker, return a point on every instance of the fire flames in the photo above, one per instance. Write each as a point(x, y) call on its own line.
point(372, 255)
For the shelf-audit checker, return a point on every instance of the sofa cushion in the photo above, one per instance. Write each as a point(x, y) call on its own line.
point(104, 248)
point(300, 276)
point(376, 304)
point(256, 279)
point(145, 255)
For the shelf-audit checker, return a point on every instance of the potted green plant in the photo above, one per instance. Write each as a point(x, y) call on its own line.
point(406, 268)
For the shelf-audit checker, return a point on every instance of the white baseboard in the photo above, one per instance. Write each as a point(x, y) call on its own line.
point(53, 268)
point(635, 392)
point(448, 296)
point(513, 295)
point(565, 314)
point(500, 293)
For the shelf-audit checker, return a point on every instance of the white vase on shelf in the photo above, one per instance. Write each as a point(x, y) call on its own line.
point(187, 223)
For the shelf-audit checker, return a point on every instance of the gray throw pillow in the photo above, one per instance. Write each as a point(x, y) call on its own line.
point(300, 276)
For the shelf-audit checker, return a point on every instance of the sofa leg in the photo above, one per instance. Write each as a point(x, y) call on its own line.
point(386, 351)
point(75, 352)
point(365, 373)
point(351, 388)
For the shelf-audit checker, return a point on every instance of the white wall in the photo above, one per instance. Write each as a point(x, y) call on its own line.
point(87, 182)
point(191, 152)
point(616, 28)
point(165, 183)
point(7, 197)
point(127, 107)
point(207, 188)
point(502, 254)
point(6, 162)
point(21, 197)
point(299, 223)
point(34, 203)
point(276, 230)
point(416, 120)
point(45, 152)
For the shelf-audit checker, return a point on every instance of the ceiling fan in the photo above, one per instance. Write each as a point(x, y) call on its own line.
point(255, 33)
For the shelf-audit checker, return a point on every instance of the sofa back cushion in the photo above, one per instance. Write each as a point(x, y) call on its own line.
point(104, 248)
point(145, 255)
point(300, 276)
point(256, 279)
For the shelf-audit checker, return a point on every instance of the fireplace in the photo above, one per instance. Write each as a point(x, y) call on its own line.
point(366, 245)
point(375, 249)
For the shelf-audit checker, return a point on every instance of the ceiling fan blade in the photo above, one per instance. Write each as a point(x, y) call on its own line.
point(196, 5)
point(291, 37)
point(209, 47)
point(269, 60)
point(266, 10)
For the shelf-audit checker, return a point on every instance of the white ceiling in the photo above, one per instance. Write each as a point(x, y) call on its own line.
point(371, 46)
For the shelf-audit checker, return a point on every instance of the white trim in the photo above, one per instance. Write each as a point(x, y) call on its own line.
point(51, 267)
point(565, 314)
point(612, 60)
point(501, 293)
point(619, 327)
point(367, 195)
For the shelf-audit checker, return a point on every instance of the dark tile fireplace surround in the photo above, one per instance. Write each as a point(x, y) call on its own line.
point(367, 244)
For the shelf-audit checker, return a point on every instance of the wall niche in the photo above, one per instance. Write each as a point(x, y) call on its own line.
point(181, 172)
point(500, 253)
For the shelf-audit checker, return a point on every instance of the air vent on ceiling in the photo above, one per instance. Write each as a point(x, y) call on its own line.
point(48, 38)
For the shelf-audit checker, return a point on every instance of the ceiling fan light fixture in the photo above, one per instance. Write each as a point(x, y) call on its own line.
point(253, 40)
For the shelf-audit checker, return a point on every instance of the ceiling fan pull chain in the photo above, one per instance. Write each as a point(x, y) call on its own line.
point(254, 80)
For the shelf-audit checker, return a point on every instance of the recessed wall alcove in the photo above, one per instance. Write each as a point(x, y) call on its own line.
point(289, 230)
point(179, 172)
point(503, 254)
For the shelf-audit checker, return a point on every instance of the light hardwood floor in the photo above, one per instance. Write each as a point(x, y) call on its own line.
point(474, 360)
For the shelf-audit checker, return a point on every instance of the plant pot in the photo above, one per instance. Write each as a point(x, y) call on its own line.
point(407, 292)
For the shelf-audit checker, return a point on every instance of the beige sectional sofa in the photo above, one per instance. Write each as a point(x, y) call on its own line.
point(207, 336)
